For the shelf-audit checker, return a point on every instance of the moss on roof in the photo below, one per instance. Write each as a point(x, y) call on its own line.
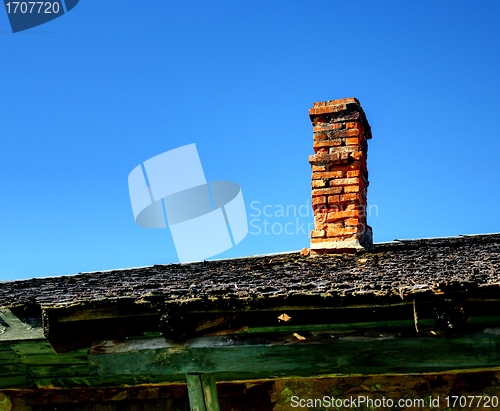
point(389, 272)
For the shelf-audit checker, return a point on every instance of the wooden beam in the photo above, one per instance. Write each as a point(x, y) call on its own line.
point(320, 354)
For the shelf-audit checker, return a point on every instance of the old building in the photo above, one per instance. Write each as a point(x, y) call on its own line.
point(345, 324)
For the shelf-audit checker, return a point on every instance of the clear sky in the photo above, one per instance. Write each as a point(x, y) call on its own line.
point(91, 95)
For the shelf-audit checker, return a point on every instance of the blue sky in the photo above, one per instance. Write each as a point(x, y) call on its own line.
point(89, 96)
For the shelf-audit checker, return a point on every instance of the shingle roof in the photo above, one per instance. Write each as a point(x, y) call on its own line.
point(389, 272)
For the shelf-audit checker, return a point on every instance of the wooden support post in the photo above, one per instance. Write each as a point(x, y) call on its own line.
point(210, 392)
point(202, 392)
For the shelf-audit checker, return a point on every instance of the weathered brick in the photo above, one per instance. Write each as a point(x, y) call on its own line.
point(351, 222)
point(319, 200)
point(326, 191)
point(327, 109)
point(357, 155)
point(344, 181)
point(349, 197)
point(324, 158)
point(328, 143)
point(318, 183)
point(354, 124)
point(338, 101)
point(351, 189)
point(334, 226)
point(334, 232)
point(333, 199)
point(352, 173)
point(326, 127)
point(338, 134)
point(352, 141)
point(328, 174)
point(341, 117)
point(318, 168)
point(317, 233)
point(322, 150)
point(320, 136)
point(352, 132)
point(341, 215)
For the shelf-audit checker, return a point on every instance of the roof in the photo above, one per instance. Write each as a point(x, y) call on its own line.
point(390, 270)
point(450, 279)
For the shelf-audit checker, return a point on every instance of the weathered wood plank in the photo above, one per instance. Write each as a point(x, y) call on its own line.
point(210, 392)
point(322, 354)
point(195, 392)
point(16, 381)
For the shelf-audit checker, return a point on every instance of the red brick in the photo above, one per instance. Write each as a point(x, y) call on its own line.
point(338, 134)
point(319, 200)
point(338, 101)
point(328, 109)
point(320, 136)
point(353, 173)
point(327, 191)
point(357, 155)
point(349, 197)
point(341, 117)
point(326, 127)
point(333, 199)
point(319, 225)
point(318, 183)
point(321, 150)
point(328, 143)
point(340, 215)
point(335, 232)
point(357, 165)
point(351, 222)
point(320, 217)
point(353, 141)
point(353, 124)
point(352, 132)
point(324, 158)
point(344, 181)
point(351, 189)
point(317, 233)
point(328, 174)
point(320, 120)
point(318, 168)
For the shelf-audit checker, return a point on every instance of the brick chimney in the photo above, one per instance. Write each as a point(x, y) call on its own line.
point(339, 177)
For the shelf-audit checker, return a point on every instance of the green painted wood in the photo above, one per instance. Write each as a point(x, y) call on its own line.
point(65, 370)
point(11, 369)
point(409, 324)
point(8, 357)
point(341, 326)
point(16, 381)
point(210, 392)
point(323, 354)
point(106, 381)
point(195, 392)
